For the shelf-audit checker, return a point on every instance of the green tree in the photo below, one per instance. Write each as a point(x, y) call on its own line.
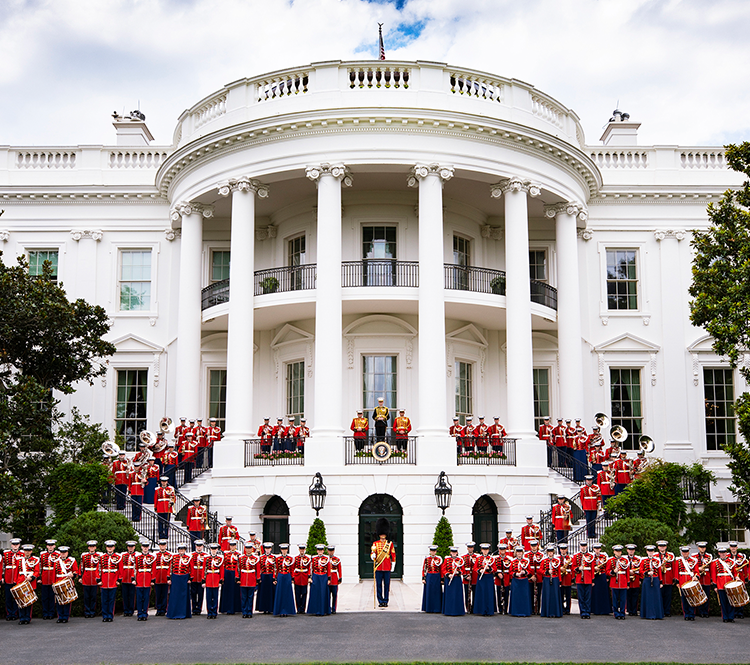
point(721, 304)
point(640, 532)
point(75, 489)
point(47, 343)
point(98, 526)
point(443, 537)
point(316, 535)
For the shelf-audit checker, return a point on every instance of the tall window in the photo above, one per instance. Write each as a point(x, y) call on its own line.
point(541, 396)
point(295, 390)
point(130, 409)
point(37, 257)
point(217, 396)
point(718, 393)
point(296, 254)
point(464, 391)
point(730, 529)
point(622, 279)
point(135, 279)
point(379, 379)
point(626, 404)
point(461, 259)
point(379, 253)
point(538, 264)
point(220, 265)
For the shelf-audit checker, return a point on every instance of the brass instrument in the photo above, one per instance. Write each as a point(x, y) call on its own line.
point(702, 569)
point(600, 566)
point(147, 437)
point(612, 477)
point(602, 420)
point(110, 448)
point(568, 511)
point(565, 567)
point(646, 444)
point(618, 433)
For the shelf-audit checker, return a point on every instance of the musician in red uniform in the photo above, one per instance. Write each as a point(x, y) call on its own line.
point(623, 472)
point(359, 428)
point(558, 439)
point(144, 562)
point(278, 432)
point(301, 434)
point(164, 500)
point(127, 578)
point(11, 558)
point(213, 436)
point(47, 567)
point(722, 572)
point(604, 482)
point(529, 531)
point(534, 556)
point(179, 431)
point(550, 599)
point(509, 540)
point(230, 602)
point(468, 574)
point(189, 448)
point(485, 569)
point(89, 578)
point(66, 567)
point(634, 587)
point(265, 434)
point(179, 606)
point(432, 592)
point(227, 532)
point(214, 579)
point(651, 576)
point(703, 561)
point(566, 577)
point(584, 564)
point(320, 572)
point(561, 519)
point(266, 588)
point(481, 436)
point(496, 433)
point(668, 577)
point(170, 460)
point(197, 575)
point(457, 432)
point(161, 568)
point(520, 596)
point(401, 429)
point(618, 573)
point(248, 572)
point(335, 579)
point(108, 579)
point(741, 568)
point(121, 473)
point(136, 485)
point(591, 496)
point(502, 564)
point(383, 550)
point(545, 431)
point(468, 441)
point(28, 571)
point(301, 578)
point(685, 569)
point(197, 516)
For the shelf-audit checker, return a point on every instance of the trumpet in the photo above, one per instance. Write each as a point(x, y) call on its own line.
point(601, 420)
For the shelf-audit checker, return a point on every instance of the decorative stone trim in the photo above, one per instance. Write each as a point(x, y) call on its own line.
point(653, 368)
point(570, 208)
point(338, 171)
point(421, 171)
point(585, 234)
point(602, 367)
point(662, 234)
point(268, 232)
point(94, 234)
point(493, 232)
point(4, 235)
point(515, 184)
point(696, 369)
point(185, 208)
point(172, 234)
point(243, 184)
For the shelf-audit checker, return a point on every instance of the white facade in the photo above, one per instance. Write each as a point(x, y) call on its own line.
point(436, 153)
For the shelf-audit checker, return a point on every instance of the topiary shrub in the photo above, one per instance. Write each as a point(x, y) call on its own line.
point(640, 532)
point(95, 525)
point(316, 535)
point(443, 537)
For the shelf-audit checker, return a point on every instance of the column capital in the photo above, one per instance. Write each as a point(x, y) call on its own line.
point(185, 208)
point(338, 171)
point(243, 184)
point(568, 208)
point(421, 171)
point(4, 235)
point(515, 184)
point(94, 234)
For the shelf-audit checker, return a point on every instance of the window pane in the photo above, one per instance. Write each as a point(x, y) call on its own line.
point(220, 265)
point(625, 385)
point(622, 279)
point(379, 379)
point(131, 405)
point(541, 396)
point(464, 390)
point(37, 258)
point(135, 280)
point(295, 390)
point(718, 393)
point(538, 264)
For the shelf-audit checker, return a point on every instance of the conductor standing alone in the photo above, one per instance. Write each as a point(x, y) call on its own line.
point(383, 557)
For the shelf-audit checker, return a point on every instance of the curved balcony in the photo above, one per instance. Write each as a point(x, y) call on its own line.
point(215, 294)
point(543, 294)
point(380, 272)
point(283, 280)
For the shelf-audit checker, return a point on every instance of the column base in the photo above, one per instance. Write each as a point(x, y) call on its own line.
point(229, 454)
point(324, 449)
point(531, 455)
point(436, 448)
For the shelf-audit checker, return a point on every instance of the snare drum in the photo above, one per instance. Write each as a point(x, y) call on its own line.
point(24, 594)
point(65, 591)
point(694, 593)
point(737, 594)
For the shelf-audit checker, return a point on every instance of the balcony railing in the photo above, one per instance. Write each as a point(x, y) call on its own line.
point(215, 294)
point(543, 294)
point(359, 451)
point(288, 278)
point(380, 272)
point(276, 453)
point(565, 464)
point(476, 280)
point(504, 454)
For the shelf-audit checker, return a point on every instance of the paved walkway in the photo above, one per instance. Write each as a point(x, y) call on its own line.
point(385, 636)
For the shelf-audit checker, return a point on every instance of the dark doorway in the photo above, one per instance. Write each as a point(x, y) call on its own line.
point(373, 508)
point(485, 522)
point(276, 522)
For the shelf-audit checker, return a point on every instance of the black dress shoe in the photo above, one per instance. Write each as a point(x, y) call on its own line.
point(60, 621)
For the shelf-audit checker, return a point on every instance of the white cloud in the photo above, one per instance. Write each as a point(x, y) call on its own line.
point(678, 66)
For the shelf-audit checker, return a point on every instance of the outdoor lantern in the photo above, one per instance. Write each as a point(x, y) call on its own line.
point(317, 494)
point(443, 492)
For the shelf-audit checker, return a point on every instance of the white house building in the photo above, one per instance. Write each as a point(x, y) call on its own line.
point(314, 238)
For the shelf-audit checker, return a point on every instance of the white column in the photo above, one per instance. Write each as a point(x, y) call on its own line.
point(432, 360)
point(240, 331)
point(327, 417)
point(568, 309)
point(187, 389)
point(519, 353)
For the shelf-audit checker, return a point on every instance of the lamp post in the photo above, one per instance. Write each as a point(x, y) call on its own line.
point(317, 494)
point(443, 492)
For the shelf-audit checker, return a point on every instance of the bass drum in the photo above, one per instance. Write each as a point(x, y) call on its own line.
point(24, 594)
point(65, 591)
point(737, 594)
point(694, 593)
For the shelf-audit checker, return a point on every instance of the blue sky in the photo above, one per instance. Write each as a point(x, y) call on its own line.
point(677, 66)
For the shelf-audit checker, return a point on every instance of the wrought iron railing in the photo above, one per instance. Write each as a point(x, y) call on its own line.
point(477, 280)
point(271, 454)
point(694, 490)
point(576, 536)
point(359, 451)
point(504, 454)
point(285, 279)
point(380, 272)
point(566, 465)
point(543, 294)
point(215, 294)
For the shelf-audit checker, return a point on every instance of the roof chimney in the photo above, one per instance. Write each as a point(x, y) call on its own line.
point(131, 129)
point(620, 131)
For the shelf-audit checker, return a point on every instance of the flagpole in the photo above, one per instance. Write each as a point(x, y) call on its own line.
point(380, 42)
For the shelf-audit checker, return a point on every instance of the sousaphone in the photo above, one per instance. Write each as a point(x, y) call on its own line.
point(618, 433)
point(646, 444)
point(110, 448)
point(601, 420)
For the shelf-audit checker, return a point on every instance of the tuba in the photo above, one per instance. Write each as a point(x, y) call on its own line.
point(618, 433)
point(646, 444)
point(147, 436)
point(601, 420)
point(110, 448)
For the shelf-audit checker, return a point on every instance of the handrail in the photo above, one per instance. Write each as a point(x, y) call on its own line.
point(359, 451)
point(285, 279)
point(380, 272)
point(474, 279)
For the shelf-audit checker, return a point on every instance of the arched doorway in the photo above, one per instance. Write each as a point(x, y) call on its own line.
point(373, 508)
point(276, 522)
point(484, 529)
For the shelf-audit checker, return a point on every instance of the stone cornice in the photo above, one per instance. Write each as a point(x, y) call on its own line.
point(416, 121)
point(45, 196)
point(651, 197)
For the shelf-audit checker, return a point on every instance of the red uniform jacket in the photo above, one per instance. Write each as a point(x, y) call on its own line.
point(359, 427)
point(469, 575)
point(47, 563)
point(457, 432)
point(740, 565)
point(560, 518)
point(120, 472)
point(144, 569)
point(722, 572)
point(651, 567)
point(90, 568)
point(109, 570)
point(685, 569)
point(590, 497)
point(284, 564)
point(558, 436)
point(267, 564)
point(249, 570)
point(196, 518)
point(481, 432)
point(535, 565)
point(584, 565)
point(127, 567)
point(485, 565)
point(622, 467)
point(227, 533)
point(164, 497)
point(496, 432)
point(214, 571)
point(64, 567)
point(635, 571)
point(265, 434)
point(161, 567)
point(390, 558)
point(180, 564)
point(198, 566)
point(336, 573)
point(452, 566)
point(618, 572)
point(519, 568)
point(432, 564)
point(530, 532)
point(321, 565)
point(231, 560)
point(566, 563)
point(301, 571)
point(704, 561)
point(502, 564)
point(602, 480)
point(550, 567)
point(402, 427)
point(213, 434)
point(28, 569)
point(10, 566)
point(667, 567)
point(134, 484)
point(545, 433)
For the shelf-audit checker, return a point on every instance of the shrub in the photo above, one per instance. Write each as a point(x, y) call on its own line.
point(443, 537)
point(95, 525)
point(640, 532)
point(316, 535)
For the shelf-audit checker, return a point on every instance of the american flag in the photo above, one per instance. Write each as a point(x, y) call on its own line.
point(380, 40)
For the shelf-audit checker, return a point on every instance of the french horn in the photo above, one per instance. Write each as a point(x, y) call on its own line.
point(601, 420)
point(618, 433)
point(646, 444)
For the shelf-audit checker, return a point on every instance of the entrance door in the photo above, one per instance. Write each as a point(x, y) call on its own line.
point(276, 523)
point(371, 510)
point(485, 522)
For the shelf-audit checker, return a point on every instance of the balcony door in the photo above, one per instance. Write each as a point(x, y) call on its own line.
point(379, 255)
point(296, 257)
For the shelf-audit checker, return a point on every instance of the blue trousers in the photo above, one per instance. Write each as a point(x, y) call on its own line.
point(24, 613)
point(128, 599)
point(561, 536)
point(108, 603)
point(584, 599)
point(196, 596)
point(247, 593)
point(120, 496)
point(300, 597)
point(590, 523)
point(11, 607)
point(687, 609)
point(164, 524)
point(136, 507)
point(727, 609)
point(666, 599)
point(47, 598)
point(333, 590)
point(383, 585)
point(212, 601)
point(161, 597)
point(63, 612)
point(703, 610)
point(89, 599)
point(142, 595)
point(619, 601)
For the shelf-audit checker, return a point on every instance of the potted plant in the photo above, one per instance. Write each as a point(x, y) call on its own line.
point(497, 285)
point(269, 285)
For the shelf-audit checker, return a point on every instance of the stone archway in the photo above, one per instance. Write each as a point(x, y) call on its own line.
point(372, 509)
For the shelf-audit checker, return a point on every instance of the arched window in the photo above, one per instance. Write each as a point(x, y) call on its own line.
point(276, 522)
